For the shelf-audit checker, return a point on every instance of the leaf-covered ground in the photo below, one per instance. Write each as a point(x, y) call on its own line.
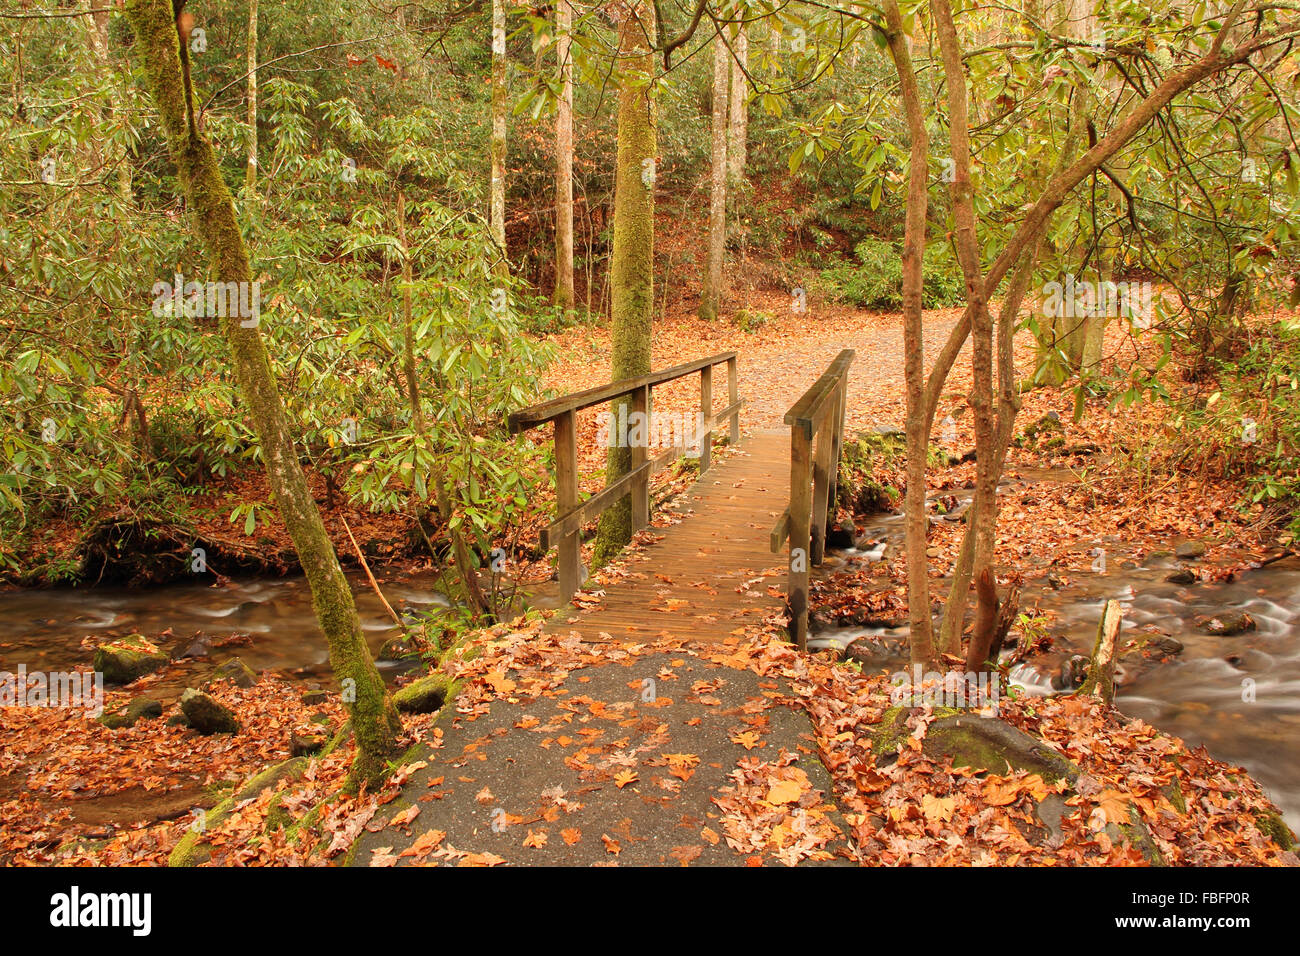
point(744, 752)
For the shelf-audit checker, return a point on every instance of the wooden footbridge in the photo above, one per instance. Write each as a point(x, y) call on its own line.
point(702, 577)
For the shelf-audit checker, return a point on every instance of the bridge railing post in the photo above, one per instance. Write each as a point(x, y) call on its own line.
point(816, 440)
point(706, 410)
point(640, 402)
point(801, 506)
point(566, 499)
point(733, 399)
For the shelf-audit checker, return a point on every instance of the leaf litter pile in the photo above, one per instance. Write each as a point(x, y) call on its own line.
point(751, 791)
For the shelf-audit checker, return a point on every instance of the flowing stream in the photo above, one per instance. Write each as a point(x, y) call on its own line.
point(1237, 695)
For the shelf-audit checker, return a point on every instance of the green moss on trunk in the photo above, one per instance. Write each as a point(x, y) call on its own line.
point(632, 263)
point(375, 721)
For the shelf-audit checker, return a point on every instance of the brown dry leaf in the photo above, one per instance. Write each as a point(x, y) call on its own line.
point(625, 777)
point(784, 791)
point(571, 835)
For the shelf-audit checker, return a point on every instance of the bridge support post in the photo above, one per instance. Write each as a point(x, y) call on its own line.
point(640, 402)
point(733, 398)
point(801, 509)
point(566, 495)
point(706, 409)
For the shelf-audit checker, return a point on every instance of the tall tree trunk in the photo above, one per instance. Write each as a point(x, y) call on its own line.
point(497, 211)
point(738, 145)
point(375, 722)
point(564, 296)
point(250, 171)
point(711, 295)
point(632, 263)
point(921, 640)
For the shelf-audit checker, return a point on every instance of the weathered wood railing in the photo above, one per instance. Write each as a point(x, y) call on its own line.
point(816, 436)
point(571, 513)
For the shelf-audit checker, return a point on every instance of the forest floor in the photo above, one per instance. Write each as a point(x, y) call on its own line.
point(748, 790)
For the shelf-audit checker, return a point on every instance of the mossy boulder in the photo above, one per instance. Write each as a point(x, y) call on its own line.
point(425, 695)
point(206, 715)
point(237, 672)
point(972, 740)
point(141, 708)
point(128, 659)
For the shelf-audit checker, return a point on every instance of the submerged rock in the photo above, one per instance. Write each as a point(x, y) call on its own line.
point(1225, 623)
point(1181, 576)
point(128, 659)
point(206, 715)
point(1071, 674)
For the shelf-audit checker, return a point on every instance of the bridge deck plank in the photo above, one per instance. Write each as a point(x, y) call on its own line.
point(709, 573)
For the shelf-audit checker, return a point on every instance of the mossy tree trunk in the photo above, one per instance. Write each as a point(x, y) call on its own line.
point(375, 722)
point(632, 264)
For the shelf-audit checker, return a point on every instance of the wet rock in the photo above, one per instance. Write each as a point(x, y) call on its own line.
point(199, 647)
point(1182, 576)
point(423, 696)
point(874, 653)
point(1188, 550)
point(306, 745)
point(128, 659)
point(140, 708)
point(1055, 581)
point(1152, 647)
point(316, 696)
point(1071, 674)
point(206, 715)
point(839, 538)
point(1225, 623)
point(237, 672)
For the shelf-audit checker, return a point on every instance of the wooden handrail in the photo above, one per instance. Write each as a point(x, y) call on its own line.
point(539, 414)
point(571, 513)
point(816, 423)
